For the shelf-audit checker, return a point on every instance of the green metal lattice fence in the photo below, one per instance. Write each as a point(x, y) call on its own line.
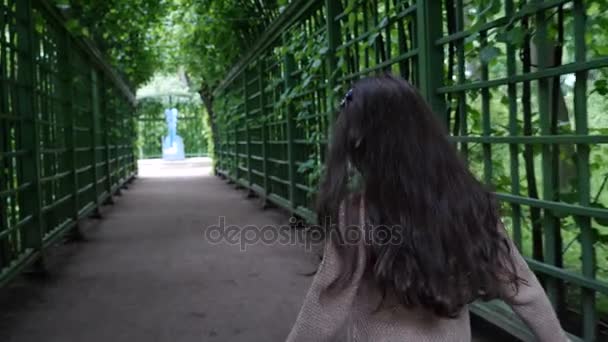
point(66, 132)
point(516, 82)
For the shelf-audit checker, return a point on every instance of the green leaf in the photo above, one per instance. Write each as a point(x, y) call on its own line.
point(72, 24)
point(530, 7)
point(307, 81)
point(515, 36)
point(372, 38)
point(488, 53)
point(317, 63)
point(306, 166)
point(569, 197)
point(600, 221)
point(384, 22)
point(601, 86)
point(602, 238)
point(504, 100)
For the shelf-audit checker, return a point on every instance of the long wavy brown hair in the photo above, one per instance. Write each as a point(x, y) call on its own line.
point(415, 186)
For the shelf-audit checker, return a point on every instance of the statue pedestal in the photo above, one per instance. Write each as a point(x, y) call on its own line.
point(173, 151)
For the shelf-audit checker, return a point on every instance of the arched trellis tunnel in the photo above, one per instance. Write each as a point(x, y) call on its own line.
point(517, 83)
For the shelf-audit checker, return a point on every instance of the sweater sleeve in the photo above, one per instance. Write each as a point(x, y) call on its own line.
point(323, 319)
point(530, 302)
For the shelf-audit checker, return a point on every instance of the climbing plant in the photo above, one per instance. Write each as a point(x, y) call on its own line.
point(126, 32)
point(207, 37)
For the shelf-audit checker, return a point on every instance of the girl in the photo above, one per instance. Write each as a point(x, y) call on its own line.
point(418, 237)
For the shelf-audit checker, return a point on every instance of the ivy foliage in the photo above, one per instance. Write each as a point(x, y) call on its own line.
point(208, 37)
point(126, 32)
point(204, 38)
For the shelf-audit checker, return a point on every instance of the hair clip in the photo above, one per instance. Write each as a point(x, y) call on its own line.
point(347, 97)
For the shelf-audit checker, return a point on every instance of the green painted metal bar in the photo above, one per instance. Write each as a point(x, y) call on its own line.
point(247, 128)
point(104, 104)
point(29, 168)
point(583, 174)
point(367, 32)
point(379, 66)
point(429, 24)
point(264, 128)
point(5, 121)
point(94, 124)
point(462, 96)
point(549, 223)
point(387, 30)
point(333, 41)
point(485, 114)
point(65, 92)
point(507, 20)
point(289, 112)
point(513, 131)
point(235, 165)
point(70, 123)
point(547, 72)
point(535, 140)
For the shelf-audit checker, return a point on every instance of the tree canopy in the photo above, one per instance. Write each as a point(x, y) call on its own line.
point(201, 38)
point(126, 32)
point(207, 37)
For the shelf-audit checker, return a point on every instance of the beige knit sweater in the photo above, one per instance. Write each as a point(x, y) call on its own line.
point(351, 316)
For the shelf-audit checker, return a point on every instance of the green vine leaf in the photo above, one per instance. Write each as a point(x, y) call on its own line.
point(514, 36)
point(488, 53)
point(372, 38)
point(601, 87)
point(317, 63)
point(600, 221)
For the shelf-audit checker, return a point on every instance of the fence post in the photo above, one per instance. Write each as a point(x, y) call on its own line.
point(261, 72)
point(4, 148)
point(430, 56)
point(117, 144)
point(28, 136)
point(333, 39)
point(550, 223)
point(514, 130)
point(133, 122)
point(289, 111)
point(120, 147)
point(236, 148)
point(106, 142)
point(247, 131)
point(65, 89)
point(588, 256)
point(95, 99)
